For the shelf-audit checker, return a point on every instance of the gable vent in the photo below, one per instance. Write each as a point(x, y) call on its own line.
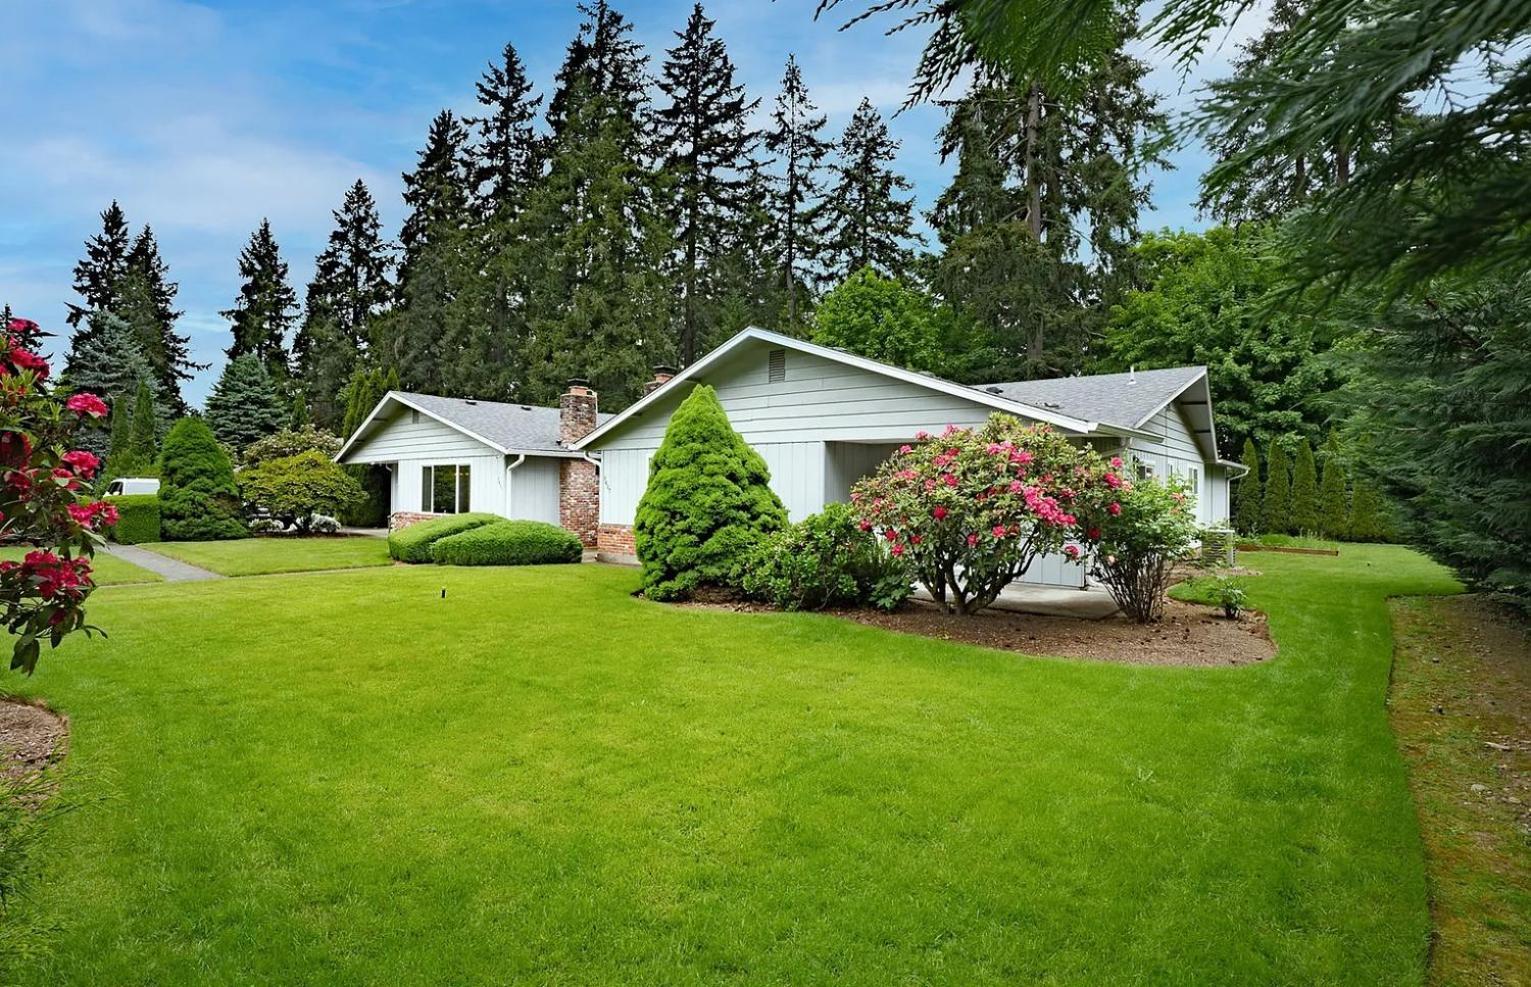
point(776, 366)
point(414, 417)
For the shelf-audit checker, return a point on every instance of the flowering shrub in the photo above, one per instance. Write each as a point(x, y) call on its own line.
point(42, 478)
point(1136, 538)
point(969, 511)
point(825, 560)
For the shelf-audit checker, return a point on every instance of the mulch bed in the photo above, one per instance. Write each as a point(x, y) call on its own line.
point(31, 737)
point(1188, 634)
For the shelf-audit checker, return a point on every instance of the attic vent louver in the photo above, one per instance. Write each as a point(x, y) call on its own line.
point(414, 417)
point(776, 366)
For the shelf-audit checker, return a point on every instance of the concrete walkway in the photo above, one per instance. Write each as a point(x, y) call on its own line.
point(1051, 601)
point(171, 570)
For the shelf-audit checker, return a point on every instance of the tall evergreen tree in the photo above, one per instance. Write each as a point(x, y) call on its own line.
point(1276, 510)
point(1247, 495)
point(117, 458)
point(1333, 509)
point(1305, 517)
point(505, 158)
point(1367, 521)
point(436, 192)
point(105, 360)
point(149, 425)
point(245, 404)
point(706, 141)
point(98, 274)
point(349, 290)
point(866, 220)
point(149, 295)
point(267, 307)
point(604, 62)
point(793, 138)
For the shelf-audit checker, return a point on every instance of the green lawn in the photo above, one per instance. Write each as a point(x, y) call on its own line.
point(109, 571)
point(346, 778)
point(261, 556)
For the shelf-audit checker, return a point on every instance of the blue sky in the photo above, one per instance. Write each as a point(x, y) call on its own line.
point(202, 118)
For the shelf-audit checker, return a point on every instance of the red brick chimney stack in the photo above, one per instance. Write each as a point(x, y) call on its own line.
point(662, 373)
point(579, 487)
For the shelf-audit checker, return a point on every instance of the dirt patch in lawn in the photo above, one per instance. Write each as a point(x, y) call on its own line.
point(31, 737)
point(1461, 706)
point(1188, 634)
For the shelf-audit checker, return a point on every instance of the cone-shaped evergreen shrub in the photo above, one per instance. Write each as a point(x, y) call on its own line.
point(1304, 491)
point(1276, 509)
point(1367, 520)
point(1333, 508)
point(708, 500)
point(198, 498)
point(1246, 516)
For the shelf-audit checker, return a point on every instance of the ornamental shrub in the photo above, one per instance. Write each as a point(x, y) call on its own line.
point(199, 500)
point(1247, 501)
point(969, 511)
point(708, 502)
point(509, 543)
point(296, 488)
point(826, 560)
point(413, 544)
point(1304, 491)
point(1137, 545)
point(1333, 506)
point(1276, 508)
point(42, 477)
point(290, 442)
point(137, 519)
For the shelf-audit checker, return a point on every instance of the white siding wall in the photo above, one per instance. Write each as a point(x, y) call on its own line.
point(848, 462)
point(486, 478)
point(534, 490)
point(1177, 455)
point(624, 474)
point(400, 437)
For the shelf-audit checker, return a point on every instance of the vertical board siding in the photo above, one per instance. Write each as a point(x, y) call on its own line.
point(847, 462)
point(533, 490)
point(1176, 455)
point(797, 475)
point(624, 475)
point(401, 438)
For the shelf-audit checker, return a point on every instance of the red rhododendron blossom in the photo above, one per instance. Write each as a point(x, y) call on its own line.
point(890, 534)
point(939, 513)
point(1114, 509)
point(1072, 551)
point(866, 525)
point(1093, 534)
point(905, 450)
point(23, 360)
point(972, 541)
point(921, 436)
point(1116, 462)
point(83, 462)
point(999, 531)
point(86, 404)
point(897, 550)
point(950, 479)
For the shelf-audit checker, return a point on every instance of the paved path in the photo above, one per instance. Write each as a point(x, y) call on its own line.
point(173, 570)
point(1050, 601)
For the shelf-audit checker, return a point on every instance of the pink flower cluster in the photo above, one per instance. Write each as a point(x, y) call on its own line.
point(52, 575)
point(95, 515)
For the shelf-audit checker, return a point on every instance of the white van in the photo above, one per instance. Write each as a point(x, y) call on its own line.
point(133, 485)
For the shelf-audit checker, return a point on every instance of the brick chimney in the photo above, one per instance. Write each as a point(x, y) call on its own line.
point(662, 373)
point(579, 487)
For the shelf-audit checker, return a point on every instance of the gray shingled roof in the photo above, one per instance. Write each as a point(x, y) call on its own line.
point(521, 427)
point(1115, 399)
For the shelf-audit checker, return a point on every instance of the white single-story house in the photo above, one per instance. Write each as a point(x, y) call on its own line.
point(822, 418)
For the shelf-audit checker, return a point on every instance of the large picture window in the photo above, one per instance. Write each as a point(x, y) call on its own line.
point(444, 489)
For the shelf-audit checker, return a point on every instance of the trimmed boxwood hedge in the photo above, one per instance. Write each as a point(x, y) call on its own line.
point(413, 544)
point(509, 543)
point(137, 518)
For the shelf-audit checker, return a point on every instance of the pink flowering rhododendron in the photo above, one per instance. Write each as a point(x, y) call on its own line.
point(42, 475)
point(973, 509)
point(1137, 535)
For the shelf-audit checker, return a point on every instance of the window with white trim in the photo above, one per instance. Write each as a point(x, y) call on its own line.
point(444, 489)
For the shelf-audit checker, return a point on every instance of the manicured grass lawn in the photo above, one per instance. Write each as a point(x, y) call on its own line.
point(1296, 541)
point(345, 778)
point(260, 556)
point(109, 571)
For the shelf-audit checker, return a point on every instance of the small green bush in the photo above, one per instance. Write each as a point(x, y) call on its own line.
point(199, 500)
point(826, 560)
point(413, 544)
point(509, 543)
point(137, 518)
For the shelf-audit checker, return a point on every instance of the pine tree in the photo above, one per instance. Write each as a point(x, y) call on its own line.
point(1305, 517)
point(105, 360)
point(602, 62)
point(703, 131)
point(300, 419)
point(245, 404)
point(1247, 495)
point(436, 192)
point(148, 425)
point(154, 317)
point(1366, 518)
point(348, 292)
point(795, 201)
point(266, 308)
point(98, 274)
point(866, 222)
point(1276, 511)
point(505, 159)
point(1333, 511)
point(118, 458)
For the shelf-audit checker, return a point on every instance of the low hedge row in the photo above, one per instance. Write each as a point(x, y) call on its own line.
point(509, 543)
point(413, 544)
point(137, 518)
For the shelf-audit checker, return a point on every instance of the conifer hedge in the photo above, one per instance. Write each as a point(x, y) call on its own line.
point(1276, 509)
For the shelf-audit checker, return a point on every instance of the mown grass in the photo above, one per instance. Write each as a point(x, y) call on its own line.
point(108, 570)
point(264, 556)
point(347, 778)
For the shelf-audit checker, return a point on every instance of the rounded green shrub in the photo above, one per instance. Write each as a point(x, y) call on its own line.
point(826, 560)
point(137, 518)
point(199, 500)
point(708, 502)
point(509, 543)
point(413, 544)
